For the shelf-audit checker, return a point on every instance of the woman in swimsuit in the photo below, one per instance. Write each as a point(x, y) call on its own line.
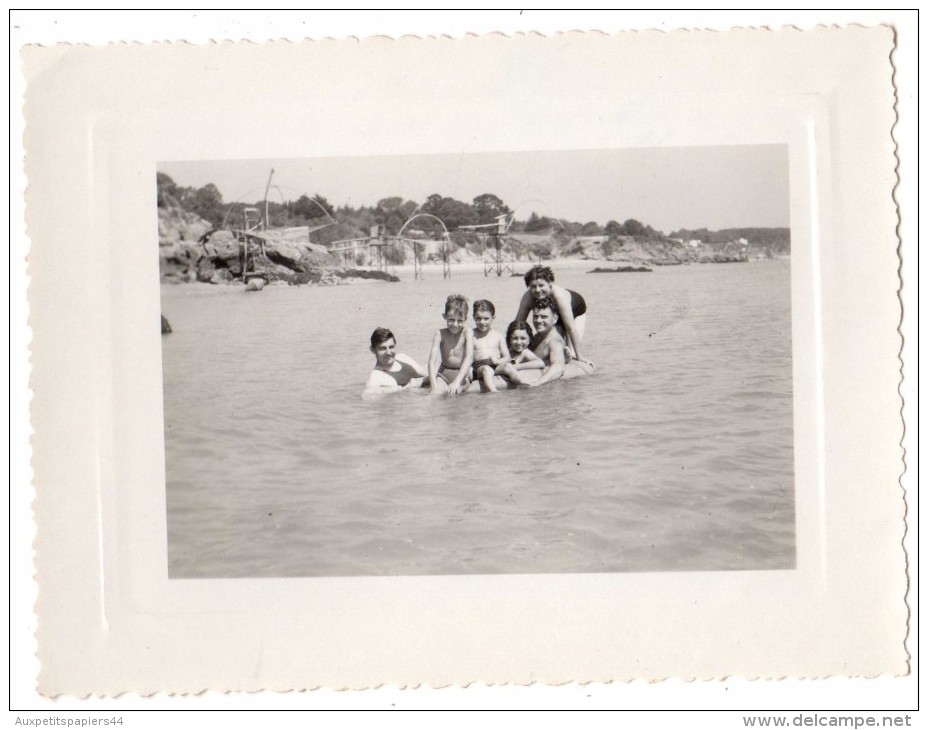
point(393, 371)
point(571, 306)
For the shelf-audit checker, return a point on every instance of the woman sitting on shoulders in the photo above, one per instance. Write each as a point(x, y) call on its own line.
point(393, 372)
point(570, 305)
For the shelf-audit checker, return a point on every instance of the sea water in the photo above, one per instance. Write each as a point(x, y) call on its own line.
point(676, 455)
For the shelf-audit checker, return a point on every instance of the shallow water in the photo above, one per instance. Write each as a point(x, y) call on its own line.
point(676, 455)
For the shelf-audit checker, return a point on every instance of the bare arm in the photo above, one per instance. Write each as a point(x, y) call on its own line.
point(455, 385)
point(525, 308)
point(528, 360)
point(420, 371)
point(566, 313)
point(434, 360)
point(503, 350)
point(556, 369)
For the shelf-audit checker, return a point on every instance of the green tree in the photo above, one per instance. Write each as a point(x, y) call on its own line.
point(392, 213)
point(390, 204)
point(168, 191)
point(537, 223)
point(489, 207)
point(453, 213)
point(206, 202)
point(329, 208)
point(633, 227)
point(303, 209)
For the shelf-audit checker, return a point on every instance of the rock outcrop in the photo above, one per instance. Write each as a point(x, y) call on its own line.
point(191, 250)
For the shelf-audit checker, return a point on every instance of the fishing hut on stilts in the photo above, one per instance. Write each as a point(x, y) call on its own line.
point(493, 236)
point(382, 252)
point(256, 234)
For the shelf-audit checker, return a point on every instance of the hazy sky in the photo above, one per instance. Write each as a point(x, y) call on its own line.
point(667, 188)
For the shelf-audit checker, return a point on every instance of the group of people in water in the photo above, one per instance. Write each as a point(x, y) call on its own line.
point(460, 355)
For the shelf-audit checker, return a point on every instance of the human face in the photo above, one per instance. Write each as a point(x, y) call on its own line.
point(455, 321)
point(483, 320)
point(385, 353)
point(540, 288)
point(519, 341)
point(543, 319)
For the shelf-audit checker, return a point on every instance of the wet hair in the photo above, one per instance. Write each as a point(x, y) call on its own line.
point(539, 272)
point(546, 303)
point(484, 305)
point(380, 335)
point(517, 326)
point(456, 304)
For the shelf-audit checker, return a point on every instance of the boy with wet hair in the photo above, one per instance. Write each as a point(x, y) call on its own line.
point(452, 349)
point(489, 346)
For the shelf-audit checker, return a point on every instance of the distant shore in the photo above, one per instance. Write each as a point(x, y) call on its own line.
point(406, 272)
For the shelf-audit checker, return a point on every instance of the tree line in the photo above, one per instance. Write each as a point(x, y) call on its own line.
point(392, 213)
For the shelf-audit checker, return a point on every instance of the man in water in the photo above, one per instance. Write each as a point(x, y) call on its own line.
point(393, 371)
point(547, 342)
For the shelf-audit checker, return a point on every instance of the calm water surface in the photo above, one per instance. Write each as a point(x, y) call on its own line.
point(676, 455)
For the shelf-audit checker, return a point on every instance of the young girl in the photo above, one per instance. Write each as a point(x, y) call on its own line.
point(518, 337)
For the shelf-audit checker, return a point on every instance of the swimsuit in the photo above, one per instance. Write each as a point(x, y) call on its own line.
point(577, 304)
point(447, 374)
point(479, 364)
point(402, 376)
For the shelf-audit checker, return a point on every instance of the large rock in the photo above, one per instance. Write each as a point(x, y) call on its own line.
point(222, 244)
point(190, 250)
point(206, 267)
point(287, 254)
point(178, 261)
point(221, 276)
point(176, 225)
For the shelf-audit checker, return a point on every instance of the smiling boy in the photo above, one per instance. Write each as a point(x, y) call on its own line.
point(452, 349)
point(489, 346)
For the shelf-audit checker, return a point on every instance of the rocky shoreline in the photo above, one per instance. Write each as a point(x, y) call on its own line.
point(191, 250)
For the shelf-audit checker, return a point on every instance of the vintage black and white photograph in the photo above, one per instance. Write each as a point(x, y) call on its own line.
point(496, 359)
point(532, 362)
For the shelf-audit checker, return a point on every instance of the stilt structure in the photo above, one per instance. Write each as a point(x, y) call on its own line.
point(445, 260)
point(252, 246)
point(382, 251)
point(492, 236)
point(256, 234)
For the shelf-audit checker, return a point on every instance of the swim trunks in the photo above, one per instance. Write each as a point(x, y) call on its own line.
point(448, 374)
point(402, 376)
point(479, 364)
